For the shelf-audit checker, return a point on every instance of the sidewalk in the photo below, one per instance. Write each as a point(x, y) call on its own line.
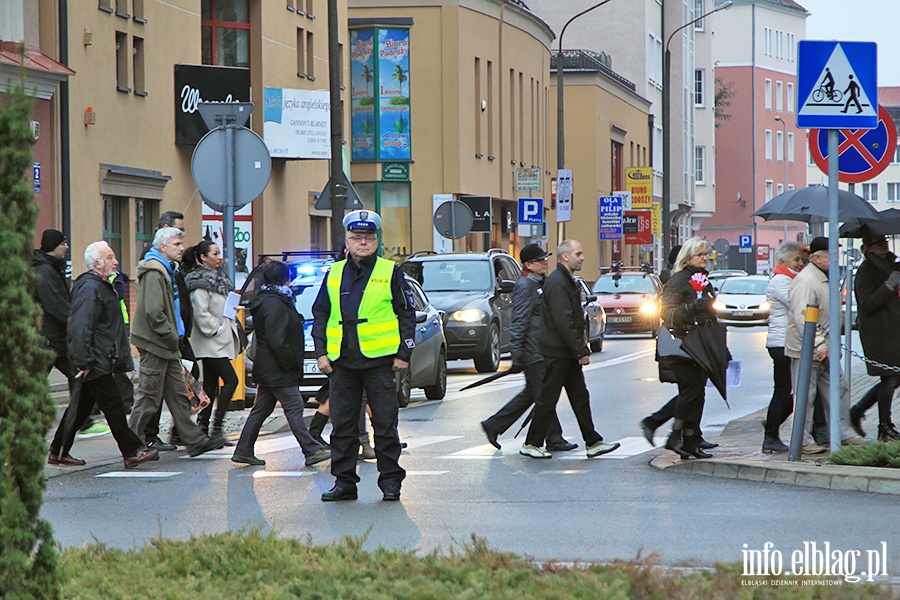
point(740, 455)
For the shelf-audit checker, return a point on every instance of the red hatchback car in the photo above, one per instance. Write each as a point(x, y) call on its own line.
point(631, 301)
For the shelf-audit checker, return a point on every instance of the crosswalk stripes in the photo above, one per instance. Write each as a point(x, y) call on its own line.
point(138, 474)
point(630, 446)
point(427, 440)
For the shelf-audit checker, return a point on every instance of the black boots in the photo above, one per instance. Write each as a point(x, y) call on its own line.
point(887, 433)
point(203, 424)
point(772, 445)
point(685, 446)
point(856, 415)
point(316, 426)
point(218, 421)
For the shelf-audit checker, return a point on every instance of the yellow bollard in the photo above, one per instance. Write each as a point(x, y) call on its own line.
point(238, 401)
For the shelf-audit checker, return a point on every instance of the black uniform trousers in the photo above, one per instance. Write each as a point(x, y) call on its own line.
point(562, 373)
point(104, 392)
point(347, 386)
point(504, 418)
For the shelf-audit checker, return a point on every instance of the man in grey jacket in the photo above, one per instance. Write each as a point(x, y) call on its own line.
point(526, 356)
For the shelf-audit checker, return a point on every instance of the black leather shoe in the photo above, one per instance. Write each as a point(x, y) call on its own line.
point(704, 445)
point(564, 446)
point(336, 494)
point(391, 493)
point(676, 445)
point(648, 431)
point(160, 445)
point(856, 416)
point(491, 436)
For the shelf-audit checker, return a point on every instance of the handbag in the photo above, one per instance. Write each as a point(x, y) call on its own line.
point(242, 337)
point(667, 345)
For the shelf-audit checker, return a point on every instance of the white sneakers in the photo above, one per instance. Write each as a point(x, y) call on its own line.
point(592, 451)
point(601, 448)
point(534, 452)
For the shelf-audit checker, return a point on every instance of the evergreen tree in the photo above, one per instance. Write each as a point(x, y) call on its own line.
point(27, 552)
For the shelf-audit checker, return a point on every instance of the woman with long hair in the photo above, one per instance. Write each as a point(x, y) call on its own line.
point(687, 301)
point(214, 337)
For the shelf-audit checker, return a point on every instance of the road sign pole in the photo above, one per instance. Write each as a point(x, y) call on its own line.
point(228, 213)
point(834, 295)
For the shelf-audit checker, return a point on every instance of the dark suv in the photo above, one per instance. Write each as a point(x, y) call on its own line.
point(475, 292)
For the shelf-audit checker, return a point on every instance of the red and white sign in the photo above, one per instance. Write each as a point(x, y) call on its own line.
point(862, 153)
point(763, 264)
point(637, 226)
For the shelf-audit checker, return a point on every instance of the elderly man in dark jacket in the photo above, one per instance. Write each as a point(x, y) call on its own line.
point(526, 356)
point(564, 347)
point(877, 283)
point(97, 347)
point(277, 366)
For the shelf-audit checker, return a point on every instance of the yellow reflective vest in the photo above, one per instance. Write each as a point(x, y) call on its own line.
point(377, 325)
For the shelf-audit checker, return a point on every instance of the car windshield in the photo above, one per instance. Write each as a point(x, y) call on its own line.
point(743, 287)
point(627, 284)
point(307, 279)
point(454, 275)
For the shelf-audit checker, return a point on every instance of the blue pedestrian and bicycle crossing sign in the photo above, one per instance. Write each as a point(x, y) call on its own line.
point(837, 85)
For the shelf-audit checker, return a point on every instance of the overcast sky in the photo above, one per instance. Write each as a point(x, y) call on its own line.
point(860, 21)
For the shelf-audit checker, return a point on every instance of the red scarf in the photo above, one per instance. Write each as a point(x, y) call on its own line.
point(780, 269)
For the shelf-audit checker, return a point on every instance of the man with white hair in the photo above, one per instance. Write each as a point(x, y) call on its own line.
point(97, 346)
point(156, 330)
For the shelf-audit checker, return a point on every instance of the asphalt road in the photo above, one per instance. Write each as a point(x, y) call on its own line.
point(566, 508)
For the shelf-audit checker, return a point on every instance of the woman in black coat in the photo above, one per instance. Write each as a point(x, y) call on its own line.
point(278, 366)
point(687, 300)
point(878, 303)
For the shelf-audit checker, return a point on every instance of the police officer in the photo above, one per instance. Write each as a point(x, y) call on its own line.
point(363, 328)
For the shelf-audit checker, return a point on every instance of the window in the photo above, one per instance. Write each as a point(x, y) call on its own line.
point(779, 189)
point(301, 52)
point(770, 188)
point(112, 222)
point(122, 8)
point(870, 192)
point(309, 9)
point(768, 42)
point(893, 189)
point(700, 165)
point(809, 159)
point(896, 156)
point(790, 147)
point(310, 57)
point(137, 11)
point(479, 108)
point(768, 93)
point(617, 167)
point(790, 47)
point(699, 77)
point(790, 97)
point(105, 5)
point(779, 44)
point(290, 5)
point(138, 67)
point(122, 62)
point(768, 144)
point(779, 96)
point(654, 63)
point(779, 146)
point(225, 32)
point(699, 10)
point(145, 225)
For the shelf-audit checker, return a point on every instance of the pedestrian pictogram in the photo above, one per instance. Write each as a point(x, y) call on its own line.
point(837, 85)
point(862, 153)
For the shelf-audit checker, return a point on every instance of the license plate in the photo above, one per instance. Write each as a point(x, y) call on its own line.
point(618, 319)
point(310, 367)
point(742, 313)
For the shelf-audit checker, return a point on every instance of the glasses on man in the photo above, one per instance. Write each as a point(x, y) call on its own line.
point(363, 238)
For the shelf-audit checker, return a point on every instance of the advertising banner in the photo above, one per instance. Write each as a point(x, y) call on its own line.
point(609, 223)
point(656, 216)
point(362, 94)
point(528, 179)
point(297, 123)
point(639, 181)
point(203, 83)
point(636, 227)
point(393, 94)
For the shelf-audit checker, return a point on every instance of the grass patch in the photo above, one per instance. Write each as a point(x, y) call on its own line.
point(880, 454)
point(256, 565)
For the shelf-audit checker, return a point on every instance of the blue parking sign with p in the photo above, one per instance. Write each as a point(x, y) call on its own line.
point(745, 241)
point(531, 211)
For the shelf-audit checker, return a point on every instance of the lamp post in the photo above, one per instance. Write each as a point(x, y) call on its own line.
point(667, 154)
point(784, 162)
point(560, 106)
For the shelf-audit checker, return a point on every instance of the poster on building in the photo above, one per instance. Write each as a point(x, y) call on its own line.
point(205, 83)
point(636, 227)
point(528, 179)
point(639, 181)
point(609, 224)
point(297, 123)
point(243, 238)
point(394, 137)
point(656, 219)
point(362, 94)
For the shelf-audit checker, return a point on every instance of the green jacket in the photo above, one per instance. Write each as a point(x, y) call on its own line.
point(153, 326)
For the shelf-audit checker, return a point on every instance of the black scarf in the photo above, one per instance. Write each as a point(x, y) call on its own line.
point(883, 265)
point(213, 280)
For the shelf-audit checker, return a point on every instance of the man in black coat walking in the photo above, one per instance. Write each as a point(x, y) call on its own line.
point(526, 356)
point(565, 350)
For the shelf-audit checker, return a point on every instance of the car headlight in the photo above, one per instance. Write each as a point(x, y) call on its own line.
point(719, 305)
point(650, 308)
point(764, 305)
point(469, 315)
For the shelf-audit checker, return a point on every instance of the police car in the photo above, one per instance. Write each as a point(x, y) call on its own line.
point(428, 364)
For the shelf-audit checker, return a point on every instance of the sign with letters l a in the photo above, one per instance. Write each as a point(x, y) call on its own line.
point(481, 210)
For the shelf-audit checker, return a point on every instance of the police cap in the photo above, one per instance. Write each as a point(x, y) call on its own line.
point(363, 221)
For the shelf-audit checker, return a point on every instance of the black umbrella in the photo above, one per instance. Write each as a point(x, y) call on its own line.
point(707, 347)
point(889, 226)
point(489, 379)
point(810, 205)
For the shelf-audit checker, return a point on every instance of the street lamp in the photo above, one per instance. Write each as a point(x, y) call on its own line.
point(784, 162)
point(667, 154)
point(560, 105)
